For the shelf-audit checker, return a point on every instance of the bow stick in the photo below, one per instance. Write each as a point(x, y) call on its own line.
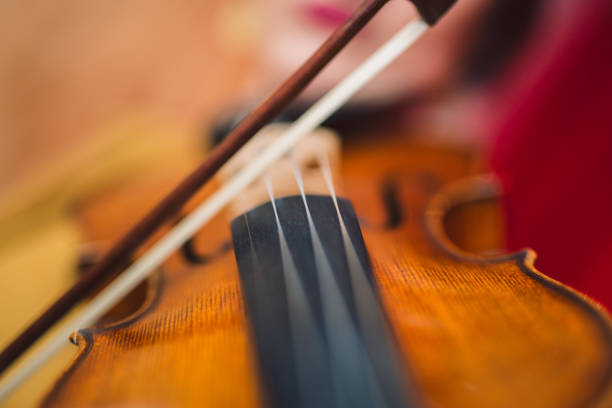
point(119, 255)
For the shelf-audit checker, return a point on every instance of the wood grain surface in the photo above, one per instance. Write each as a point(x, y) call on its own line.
point(474, 332)
point(96, 94)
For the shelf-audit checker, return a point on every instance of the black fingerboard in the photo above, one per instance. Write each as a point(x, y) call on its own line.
point(321, 337)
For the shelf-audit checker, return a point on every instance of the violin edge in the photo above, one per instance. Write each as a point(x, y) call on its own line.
point(483, 187)
point(84, 338)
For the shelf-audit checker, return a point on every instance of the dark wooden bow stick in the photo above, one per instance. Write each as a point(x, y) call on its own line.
point(119, 255)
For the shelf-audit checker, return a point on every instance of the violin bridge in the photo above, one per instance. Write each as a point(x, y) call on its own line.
point(305, 155)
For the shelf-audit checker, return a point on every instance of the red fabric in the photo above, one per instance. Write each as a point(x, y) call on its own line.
point(553, 153)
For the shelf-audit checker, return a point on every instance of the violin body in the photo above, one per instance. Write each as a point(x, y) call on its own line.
point(471, 330)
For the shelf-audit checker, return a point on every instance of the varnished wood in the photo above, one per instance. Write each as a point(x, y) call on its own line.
point(481, 211)
point(119, 254)
point(474, 331)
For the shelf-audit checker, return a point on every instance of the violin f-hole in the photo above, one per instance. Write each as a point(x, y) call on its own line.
point(391, 202)
point(191, 255)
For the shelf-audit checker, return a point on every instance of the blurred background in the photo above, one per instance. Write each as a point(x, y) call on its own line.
point(99, 99)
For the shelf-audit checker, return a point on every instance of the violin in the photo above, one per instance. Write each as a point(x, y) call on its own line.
point(309, 298)
point(470, 329)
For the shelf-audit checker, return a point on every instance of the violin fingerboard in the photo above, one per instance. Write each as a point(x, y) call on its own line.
point(320, 333)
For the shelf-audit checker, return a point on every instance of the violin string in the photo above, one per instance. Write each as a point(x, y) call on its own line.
point(362, 291)
point(307, 341)
point(343, 341)
point(185, 229)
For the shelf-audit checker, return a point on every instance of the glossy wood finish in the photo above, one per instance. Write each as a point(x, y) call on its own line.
point(119, 254)
point(474, 331)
